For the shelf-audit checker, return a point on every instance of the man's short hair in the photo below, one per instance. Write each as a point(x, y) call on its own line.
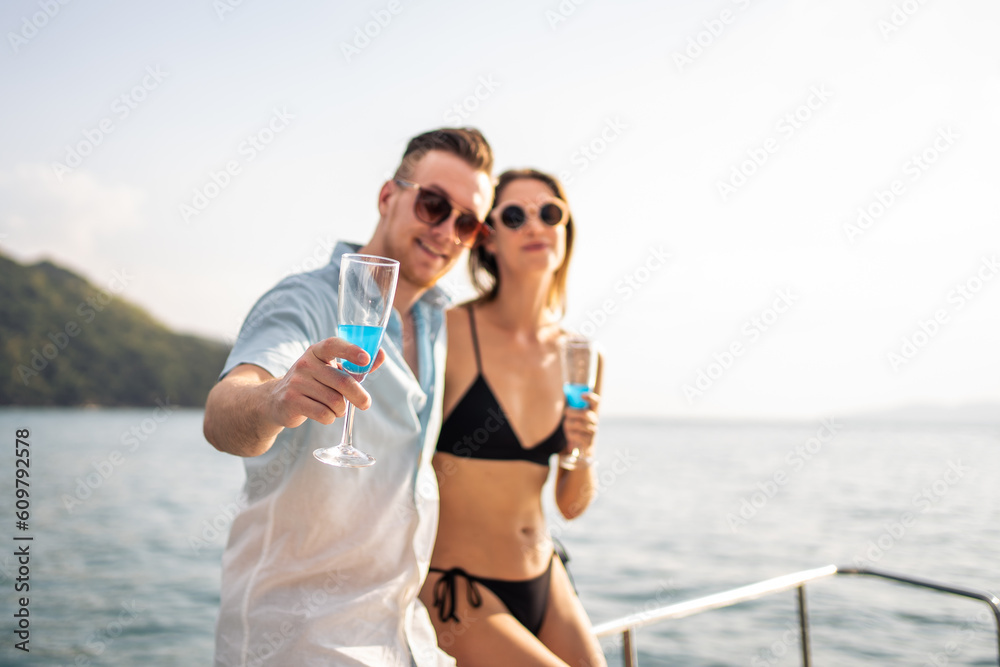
point(466, 142)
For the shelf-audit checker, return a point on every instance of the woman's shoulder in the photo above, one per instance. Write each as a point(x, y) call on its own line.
point(458, 315)
point(461, 366)
point(459, 324)
point(461, 313)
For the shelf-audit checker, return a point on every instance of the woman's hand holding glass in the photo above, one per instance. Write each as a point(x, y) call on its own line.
point(581, 430)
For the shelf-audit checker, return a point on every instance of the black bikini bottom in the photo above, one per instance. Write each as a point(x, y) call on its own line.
point(525, 600)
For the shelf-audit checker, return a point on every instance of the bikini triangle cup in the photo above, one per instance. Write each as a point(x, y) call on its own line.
point(477, 427)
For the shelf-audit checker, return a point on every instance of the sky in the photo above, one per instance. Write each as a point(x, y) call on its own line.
point(785, 210)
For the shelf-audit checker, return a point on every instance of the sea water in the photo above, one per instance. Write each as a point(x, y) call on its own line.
point(368, 338)
point(131, 509)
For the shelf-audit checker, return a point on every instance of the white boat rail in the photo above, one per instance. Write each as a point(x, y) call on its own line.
point(627, 626)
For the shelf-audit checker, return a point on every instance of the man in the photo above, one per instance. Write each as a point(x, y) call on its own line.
point(324, 564)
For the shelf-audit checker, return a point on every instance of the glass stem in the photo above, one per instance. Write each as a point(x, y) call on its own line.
point(346, 440)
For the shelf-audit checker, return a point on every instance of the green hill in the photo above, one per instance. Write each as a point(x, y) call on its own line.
point(64, 341)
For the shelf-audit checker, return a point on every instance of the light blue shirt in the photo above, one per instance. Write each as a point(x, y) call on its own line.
point(324, 564)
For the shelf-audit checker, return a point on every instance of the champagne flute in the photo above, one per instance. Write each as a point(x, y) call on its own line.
point(367, 286)
point(579, 366)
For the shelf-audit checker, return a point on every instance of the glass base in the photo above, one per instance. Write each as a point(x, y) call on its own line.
point(569, 461)
point(344, 456)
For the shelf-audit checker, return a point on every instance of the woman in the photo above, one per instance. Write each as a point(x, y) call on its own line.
point(496, 592)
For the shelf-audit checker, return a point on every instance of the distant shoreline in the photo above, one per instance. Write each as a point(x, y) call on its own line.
point(875, 420)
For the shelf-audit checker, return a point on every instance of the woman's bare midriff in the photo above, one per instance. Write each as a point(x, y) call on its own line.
point(491, 524)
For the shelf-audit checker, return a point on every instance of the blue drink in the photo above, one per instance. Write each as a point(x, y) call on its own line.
point(574, 395)
point(368, 338)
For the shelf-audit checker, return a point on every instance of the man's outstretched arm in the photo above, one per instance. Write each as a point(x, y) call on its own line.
point(249, 407)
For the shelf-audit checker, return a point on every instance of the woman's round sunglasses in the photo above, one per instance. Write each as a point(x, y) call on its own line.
point(513, 215)
point(432, 208)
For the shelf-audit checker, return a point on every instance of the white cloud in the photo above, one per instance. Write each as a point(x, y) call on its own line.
point(70, 220)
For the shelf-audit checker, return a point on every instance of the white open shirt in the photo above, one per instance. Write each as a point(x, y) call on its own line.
point(324, 564)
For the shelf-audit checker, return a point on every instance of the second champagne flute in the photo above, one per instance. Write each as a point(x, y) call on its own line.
point(579, 366)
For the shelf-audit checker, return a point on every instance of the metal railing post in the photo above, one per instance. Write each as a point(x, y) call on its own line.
point(629, 648)
point(804, 627)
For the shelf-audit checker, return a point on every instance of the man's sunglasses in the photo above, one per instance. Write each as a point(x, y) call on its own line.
point(433, 208)
point(513, 216)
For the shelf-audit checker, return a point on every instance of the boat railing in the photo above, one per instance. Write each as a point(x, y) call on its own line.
point(626, 627)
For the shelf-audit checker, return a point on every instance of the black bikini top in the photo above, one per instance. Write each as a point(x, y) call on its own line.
point(478, 429)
